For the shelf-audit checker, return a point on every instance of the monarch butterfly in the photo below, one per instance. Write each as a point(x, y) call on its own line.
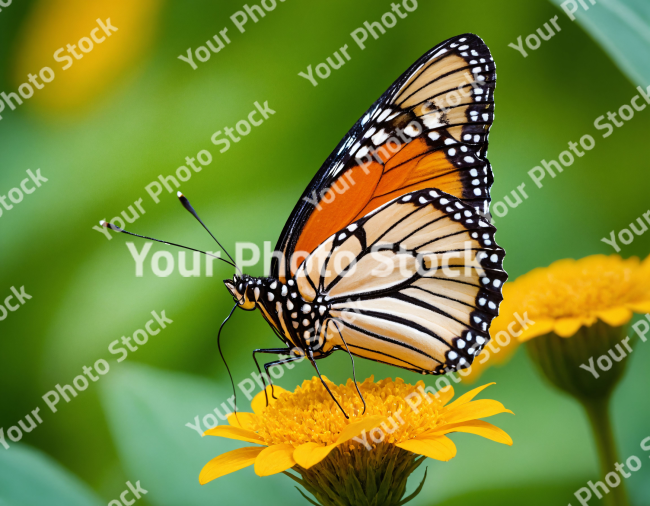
point(409, 183)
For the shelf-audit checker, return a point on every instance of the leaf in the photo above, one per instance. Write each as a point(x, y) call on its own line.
point(622, 28)
point(31, 478)
point(147, 410)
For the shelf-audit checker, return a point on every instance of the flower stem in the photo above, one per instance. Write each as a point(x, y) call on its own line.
point(598, 413)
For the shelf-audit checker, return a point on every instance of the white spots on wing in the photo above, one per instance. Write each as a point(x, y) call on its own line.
point(306, 308)
point(476, 70)
point(459, 205)
point(406, 199)
point(453, 45)
point(369, 133)
point(394, 115)
point(463, 149)
point(473, 172)
point(496, 283)
point(474, 53)
point(480, 339)
point(468, 159)
point(257, 293)
point(365, 119)
point(444, 201)
point(477, 138)
point(442, 51)
point(467, 213)
point(321, 309)
point(289, 305)
point(462, 48)
point(434, 136)
point(376, 113)
point(355, 148)
point(494, 258)
point(476, 182)
point(450, 141)
point(452, 355)
point(411, 131)
point(457, 216)
point(342, 236)
point(271, 296)
point(383, 115)
point(467, 137)
point(352, 228)
point(363, 151)
point(381, 136)
point(433, 120)
point(492, 305)
point(284, 290)
point(486, 116)
point(461, 344)
point(482, 301)
point(480, 78)
point(451, 152)
point(433, 193)
point(423, 200)
point(274, 285)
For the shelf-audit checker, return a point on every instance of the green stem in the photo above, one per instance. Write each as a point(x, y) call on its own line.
point(598, 413)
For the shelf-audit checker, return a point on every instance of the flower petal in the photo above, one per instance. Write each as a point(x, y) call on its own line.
point(310, 454)
point(235, 433)
point(475, 409)
point(243, 420)
point(438, 448)
point(541, 327)
point(616, 316)
point(274, 460)
point(566, 327)
point(444, 395)
point(259, 401)
point(478, 427)
point(356, 428)
point(640, 307)
point(465, 398)
point(229, 463)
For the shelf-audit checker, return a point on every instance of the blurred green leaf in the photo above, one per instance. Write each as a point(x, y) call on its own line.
point(532, 495)
point(147, 410)
point(31, 478)
point(622, 28)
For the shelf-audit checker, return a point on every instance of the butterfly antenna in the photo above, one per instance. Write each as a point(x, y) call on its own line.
point(188, 206)
point(232, 382)
point(313, 362)
point(354, 374)
point(122, 231)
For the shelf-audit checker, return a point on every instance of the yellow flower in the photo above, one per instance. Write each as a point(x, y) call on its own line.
point(570, 294)
point(563, 298)
point(300, 429)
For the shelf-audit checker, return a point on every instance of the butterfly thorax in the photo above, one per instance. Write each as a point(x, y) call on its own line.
point(299, 322)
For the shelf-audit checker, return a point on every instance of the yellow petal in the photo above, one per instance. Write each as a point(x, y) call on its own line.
point(444, 395)
point(478, 427)
point(310, 454)
point(465, 398)
point(235, 433)
point(540, 328)
point(259, 401)
point(356, 428)
point(243, 420)
point(640, 307)
point(439, 448)
point(274, 460)
point(615, 317)
point(566, 327)
point(475, 409)
point(229, 463)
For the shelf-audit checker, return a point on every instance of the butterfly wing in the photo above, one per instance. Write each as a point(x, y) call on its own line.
point(415, 283)
point(430, 129)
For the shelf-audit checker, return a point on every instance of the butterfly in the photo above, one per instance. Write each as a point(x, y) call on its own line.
point(390, 253)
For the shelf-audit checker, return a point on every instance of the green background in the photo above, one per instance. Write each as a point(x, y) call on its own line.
point(130, 424)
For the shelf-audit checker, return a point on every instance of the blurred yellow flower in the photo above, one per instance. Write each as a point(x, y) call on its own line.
point(55, 24)
point(302, 428)
point(563, 298)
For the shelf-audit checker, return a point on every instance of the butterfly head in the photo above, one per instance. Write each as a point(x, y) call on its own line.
point(242, 289)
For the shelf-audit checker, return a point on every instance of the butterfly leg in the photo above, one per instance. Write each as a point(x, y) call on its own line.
point(310, 356)
point(274, 351)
